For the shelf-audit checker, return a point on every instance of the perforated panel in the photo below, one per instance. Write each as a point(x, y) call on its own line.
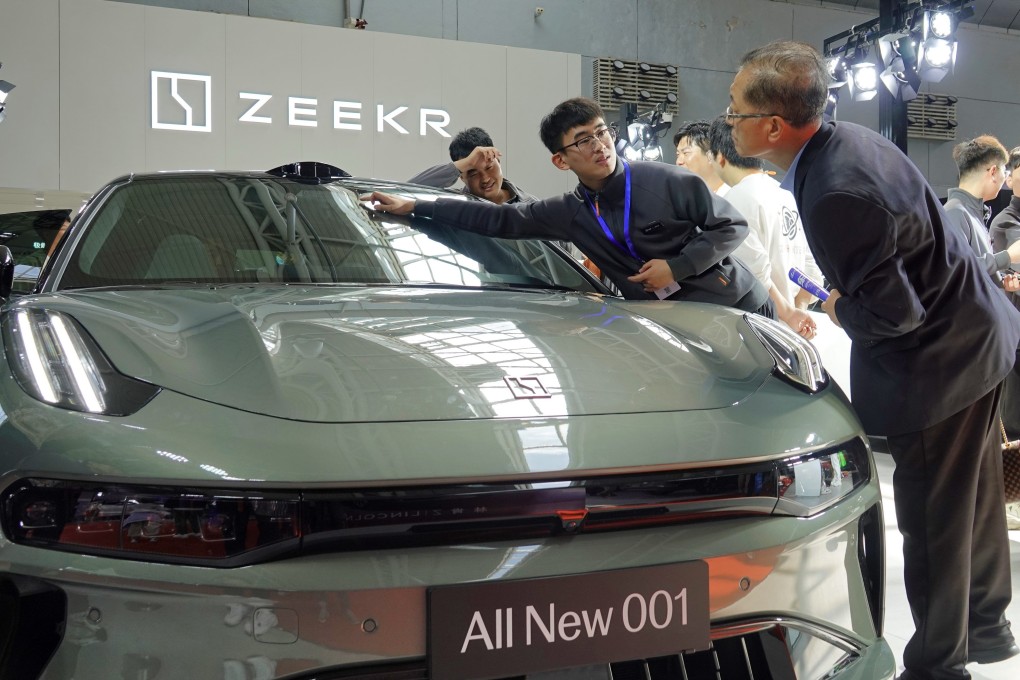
point(657, 80)
point(932, 117)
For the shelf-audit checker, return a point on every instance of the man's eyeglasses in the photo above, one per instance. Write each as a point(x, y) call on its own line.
point(730, 116)
point(589, 145)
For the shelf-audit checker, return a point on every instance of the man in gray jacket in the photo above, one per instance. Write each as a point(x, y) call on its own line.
point(981, 162)
point(474, 161)
point(655, 230)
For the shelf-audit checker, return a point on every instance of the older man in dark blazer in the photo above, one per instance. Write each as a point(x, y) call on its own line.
point(931, 341)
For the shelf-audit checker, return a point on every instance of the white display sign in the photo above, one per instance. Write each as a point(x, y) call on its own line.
point(176, 106)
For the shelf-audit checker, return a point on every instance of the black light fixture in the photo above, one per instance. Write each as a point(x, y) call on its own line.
point(836, 66)
point(5, 89)
point(936, 53)
point(640, 139)
point(899, 56)
point(863, 77)
point(829, 113)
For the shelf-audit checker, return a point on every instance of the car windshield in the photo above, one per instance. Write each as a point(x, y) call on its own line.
point(223, 229)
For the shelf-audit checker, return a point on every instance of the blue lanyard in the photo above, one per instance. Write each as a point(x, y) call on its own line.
point(626, 215)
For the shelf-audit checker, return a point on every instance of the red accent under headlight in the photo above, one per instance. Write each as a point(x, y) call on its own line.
point(153, 521)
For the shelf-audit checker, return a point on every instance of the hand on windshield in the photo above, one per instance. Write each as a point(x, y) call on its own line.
point(388, 203)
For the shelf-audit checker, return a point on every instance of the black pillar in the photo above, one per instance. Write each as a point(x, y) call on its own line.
point(892, 111)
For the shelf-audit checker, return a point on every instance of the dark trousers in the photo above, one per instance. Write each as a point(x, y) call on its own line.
point(949, 506)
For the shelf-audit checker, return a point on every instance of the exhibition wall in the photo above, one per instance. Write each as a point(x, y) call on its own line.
point(704, 38)
point(128, 88)
point(81, 112)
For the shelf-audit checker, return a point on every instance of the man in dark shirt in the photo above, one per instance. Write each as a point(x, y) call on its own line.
point(932, 338)
point(655, 230)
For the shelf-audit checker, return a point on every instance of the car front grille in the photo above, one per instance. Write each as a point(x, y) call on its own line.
point(769, 653)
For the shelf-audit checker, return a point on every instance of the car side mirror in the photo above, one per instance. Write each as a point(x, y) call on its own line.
point(6, 272)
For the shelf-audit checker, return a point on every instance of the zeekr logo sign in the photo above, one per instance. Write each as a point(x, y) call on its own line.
point(183, 101)
point(192, 101)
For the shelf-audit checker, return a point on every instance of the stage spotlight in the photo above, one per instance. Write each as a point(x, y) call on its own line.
point(900, 75)
point(837, 71)
point(899, 55)
point(830, 104)
point(619, 92)
point(863, 80)
point(644, 95)
point(936, 54)
point(939, 24)
point(5, 88)
point(642, 143)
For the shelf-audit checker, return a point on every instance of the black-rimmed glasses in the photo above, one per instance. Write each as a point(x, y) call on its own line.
point(590, 144)
point(730, 116)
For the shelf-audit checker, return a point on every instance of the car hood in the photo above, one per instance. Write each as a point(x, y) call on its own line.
point(329, 354)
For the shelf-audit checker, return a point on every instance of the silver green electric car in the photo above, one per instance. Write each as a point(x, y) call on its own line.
point(251, 429)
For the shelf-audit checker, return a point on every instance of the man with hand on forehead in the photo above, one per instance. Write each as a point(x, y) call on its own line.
point(655, 230)
point(476, 162)
point(932, 338)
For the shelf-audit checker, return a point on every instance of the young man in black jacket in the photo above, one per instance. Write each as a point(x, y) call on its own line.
point(655, 230)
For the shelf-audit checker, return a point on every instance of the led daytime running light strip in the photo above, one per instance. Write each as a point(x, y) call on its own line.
point(59, 363)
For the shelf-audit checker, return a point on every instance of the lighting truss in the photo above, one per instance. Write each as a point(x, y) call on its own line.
point(920, 45)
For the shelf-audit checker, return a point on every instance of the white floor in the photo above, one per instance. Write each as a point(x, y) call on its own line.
point(898, 624)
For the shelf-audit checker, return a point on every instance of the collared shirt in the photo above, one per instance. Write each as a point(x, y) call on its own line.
point(791, 172)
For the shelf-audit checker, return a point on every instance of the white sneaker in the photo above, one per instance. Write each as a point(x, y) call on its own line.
point(1013, 516)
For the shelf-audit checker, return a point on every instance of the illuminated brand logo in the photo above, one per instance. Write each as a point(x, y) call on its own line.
point(182, 101)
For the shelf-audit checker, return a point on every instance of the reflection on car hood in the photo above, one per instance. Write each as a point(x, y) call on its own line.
point(328, 354)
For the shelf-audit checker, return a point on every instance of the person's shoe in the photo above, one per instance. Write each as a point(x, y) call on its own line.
point(1013, 516)
point(1006, 650)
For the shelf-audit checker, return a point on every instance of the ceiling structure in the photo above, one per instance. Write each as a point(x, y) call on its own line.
point(998, 14)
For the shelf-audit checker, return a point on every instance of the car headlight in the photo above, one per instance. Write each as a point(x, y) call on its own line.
point(56, 361)
point(812, 482)
point(797, 360)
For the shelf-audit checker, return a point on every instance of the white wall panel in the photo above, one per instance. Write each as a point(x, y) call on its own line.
point(192, 43)
point(87, 115)
point(103, 118)
point(264, 57)
point(533, 90)
point(30, 48)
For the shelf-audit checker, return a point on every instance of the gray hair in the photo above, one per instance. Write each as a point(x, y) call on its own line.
point(787, 78)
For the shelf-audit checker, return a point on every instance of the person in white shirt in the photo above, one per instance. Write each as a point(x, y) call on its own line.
point(692, 152)
point(776, 241)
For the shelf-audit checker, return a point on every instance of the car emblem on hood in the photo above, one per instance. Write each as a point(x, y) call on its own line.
point(526, 388)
